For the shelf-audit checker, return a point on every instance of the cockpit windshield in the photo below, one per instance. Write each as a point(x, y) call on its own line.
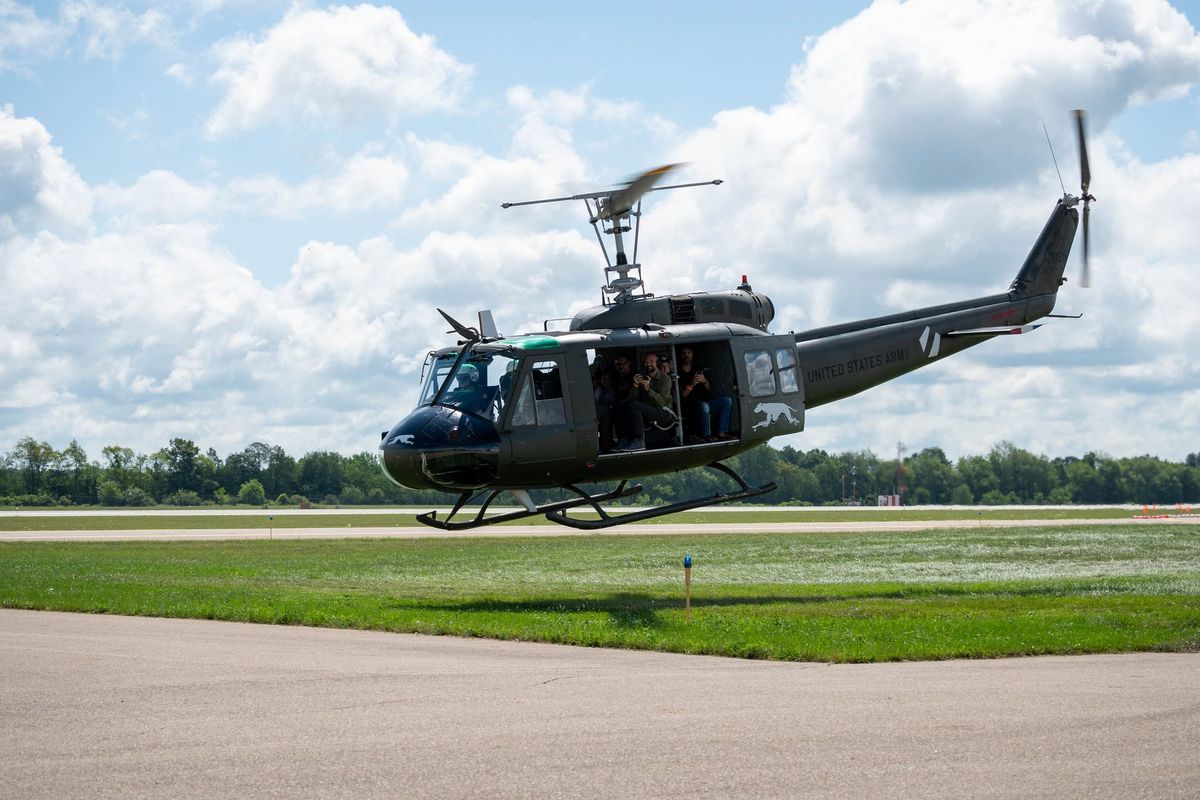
point(480, 385)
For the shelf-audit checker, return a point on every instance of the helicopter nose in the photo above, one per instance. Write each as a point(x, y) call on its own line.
point(441, 448)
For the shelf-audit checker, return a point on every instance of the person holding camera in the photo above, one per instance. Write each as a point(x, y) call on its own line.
point(700, 402)
point(649, 401)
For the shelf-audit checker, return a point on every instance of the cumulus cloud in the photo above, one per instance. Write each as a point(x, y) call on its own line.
point(88, 29)
point(181, 73)
point(105, 30)
point(23, 35)
point(933, 92)
point(158, 196)
point(542, 160)
point(362, 182)
point(909, 142)
point(329, 66)
point(40, 190)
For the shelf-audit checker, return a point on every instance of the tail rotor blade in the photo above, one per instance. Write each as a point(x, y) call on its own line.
point(1085, 278)
point(1085, 180)
point(1085, 172)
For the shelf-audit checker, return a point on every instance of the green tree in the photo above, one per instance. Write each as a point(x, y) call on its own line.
point(961, 496)
point(977, 473)
point(137, 497)
point(121, 466)
point(321, 473)
point(82, 477)
point(279, 476)
point(252, 493)
point(1021, 473)
point(248, 464)
point(110, 494)
point(179, 460)
point(930, 470)
point(34, 460)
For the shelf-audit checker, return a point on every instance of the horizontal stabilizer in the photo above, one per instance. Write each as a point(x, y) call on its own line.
point(992, 331)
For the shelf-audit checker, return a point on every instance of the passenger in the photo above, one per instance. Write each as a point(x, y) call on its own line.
point(622, 386)
point(664, 364)
point(650, 401)
point(700, 402)
point(599, 366)
point(605, 396)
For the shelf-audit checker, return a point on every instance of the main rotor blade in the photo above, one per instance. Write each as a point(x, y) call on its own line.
point(1085, 278)
point(1085, 173)
point(462, 330)
point(623, 201)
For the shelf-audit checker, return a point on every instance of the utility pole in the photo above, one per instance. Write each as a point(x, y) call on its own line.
point(900, 451)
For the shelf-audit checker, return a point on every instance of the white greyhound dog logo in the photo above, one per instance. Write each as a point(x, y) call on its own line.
point(774, 412)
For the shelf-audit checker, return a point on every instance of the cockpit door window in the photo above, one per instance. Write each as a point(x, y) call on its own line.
point(539, 400)
point(760, 373)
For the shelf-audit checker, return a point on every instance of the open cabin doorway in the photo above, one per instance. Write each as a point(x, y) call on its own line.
point(696, 404)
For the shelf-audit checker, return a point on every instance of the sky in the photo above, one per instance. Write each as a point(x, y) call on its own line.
point(232, 221)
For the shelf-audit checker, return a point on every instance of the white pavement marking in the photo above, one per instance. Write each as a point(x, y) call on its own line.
point(423, 532)
point(103, 706)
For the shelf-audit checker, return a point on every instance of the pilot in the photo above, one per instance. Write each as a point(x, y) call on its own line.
point(468, 394)
point(700, 402)
point(650, 401)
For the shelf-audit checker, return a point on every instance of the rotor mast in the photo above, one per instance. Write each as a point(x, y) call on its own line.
point(616, 212)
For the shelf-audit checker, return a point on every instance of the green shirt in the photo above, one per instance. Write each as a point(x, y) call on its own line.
point(659, 393)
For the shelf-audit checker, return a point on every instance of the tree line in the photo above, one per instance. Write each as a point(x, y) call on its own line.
point(36, 474)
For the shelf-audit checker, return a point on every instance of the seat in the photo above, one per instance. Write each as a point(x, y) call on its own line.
point(662, 434)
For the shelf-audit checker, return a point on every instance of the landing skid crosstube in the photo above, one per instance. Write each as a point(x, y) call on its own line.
point(556, 512)
point(479, 520)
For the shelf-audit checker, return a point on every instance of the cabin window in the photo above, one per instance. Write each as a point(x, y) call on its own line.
point(760, 373)
point(539, 401)
point(785, 359)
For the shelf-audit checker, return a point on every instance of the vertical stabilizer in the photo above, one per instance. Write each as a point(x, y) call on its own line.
point(1042, 272)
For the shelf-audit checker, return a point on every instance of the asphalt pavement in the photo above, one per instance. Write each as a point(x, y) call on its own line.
point(106, 706)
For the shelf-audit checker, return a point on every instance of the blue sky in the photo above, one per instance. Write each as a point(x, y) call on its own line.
point(231, 220)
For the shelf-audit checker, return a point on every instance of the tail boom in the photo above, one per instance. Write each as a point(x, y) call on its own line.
point(842, 360)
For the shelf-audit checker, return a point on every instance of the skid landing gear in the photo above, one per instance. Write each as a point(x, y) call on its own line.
point(556, 512)
point(607, 520)
point(479, 520)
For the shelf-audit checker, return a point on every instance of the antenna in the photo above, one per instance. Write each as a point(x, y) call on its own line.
point(616, 212)
point(1056, 169)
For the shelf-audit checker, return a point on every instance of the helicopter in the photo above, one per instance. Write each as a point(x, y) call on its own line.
point(559, 407)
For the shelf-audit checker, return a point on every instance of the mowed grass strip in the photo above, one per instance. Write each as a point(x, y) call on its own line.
point(839, 597)
point(403, 520)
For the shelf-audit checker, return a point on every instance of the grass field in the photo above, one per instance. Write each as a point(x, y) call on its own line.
point(134, 521)
point(972, 592)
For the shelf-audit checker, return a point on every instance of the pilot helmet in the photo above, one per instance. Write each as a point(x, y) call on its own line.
point(468, 374)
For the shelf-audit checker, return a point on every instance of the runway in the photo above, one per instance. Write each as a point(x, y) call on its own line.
point(422, 531)
point(119, 706)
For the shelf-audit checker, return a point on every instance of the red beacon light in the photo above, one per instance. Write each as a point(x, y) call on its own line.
point(745, 287)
